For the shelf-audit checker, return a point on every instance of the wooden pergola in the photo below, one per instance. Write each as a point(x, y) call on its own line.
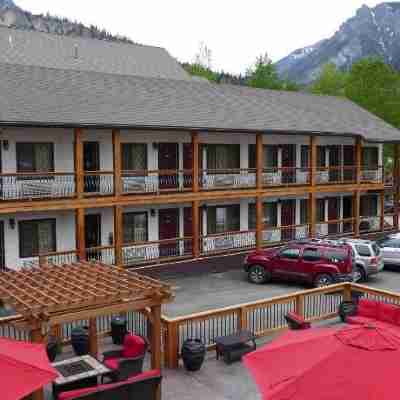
point(50, 295)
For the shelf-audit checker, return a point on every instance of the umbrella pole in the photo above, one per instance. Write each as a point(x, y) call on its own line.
point(37, 337)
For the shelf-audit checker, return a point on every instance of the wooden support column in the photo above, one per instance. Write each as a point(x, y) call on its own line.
point(195, 162)
point(259, 161)
point(313, 160)
point(356, 213)
point(37, 337)
point(382, 207)
point(259, 222)
point(156, 342)
point(117, 161)
point(80, 233)
point(195, 229)
point(396, 186)
point(93, 344)
point(358, 159)
point(118, 234)
point(78, 162)
point(312, 214)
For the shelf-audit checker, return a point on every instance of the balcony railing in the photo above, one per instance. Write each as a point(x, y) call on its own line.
point(98, 183)
point(137, 253)
point(213, 179)
point(146, 181)
point(370, 224)
point(372, 175)
point(286, 176)
point(56, 257)
point(336, 175)
point(34, 185)
point(104, 254)
point(283, 234)
point(227, 241)
point(335, 228)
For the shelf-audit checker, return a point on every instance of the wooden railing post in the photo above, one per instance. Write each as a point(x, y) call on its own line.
point(118, 235)
point(93, 344)
point(195, 229)
point(117, 161)
point(172, 345)
point(242, 318)
point(299, 305)
point(347, 292)
point(78, 163)
point(195, 162)
point(80, 233)
point(259, 222)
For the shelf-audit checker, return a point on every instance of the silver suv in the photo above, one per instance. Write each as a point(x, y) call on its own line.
point(368, 258)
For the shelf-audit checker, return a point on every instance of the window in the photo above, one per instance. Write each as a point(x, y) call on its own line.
point(311, 255)
point(135, 227)
point(270, 215)
point(321, 156)
point(320, 210)
point(293, 254)
point(303, 212)
point(223, 156)
point(370, 157)
point(134, 156)
point(222, 219)
point(270, 154)
point(305, 157)
point(363, 251)
point(35, 157)
point(37, 237)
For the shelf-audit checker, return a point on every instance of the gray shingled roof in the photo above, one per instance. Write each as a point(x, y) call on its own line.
point(36, 96)
point(57, 51)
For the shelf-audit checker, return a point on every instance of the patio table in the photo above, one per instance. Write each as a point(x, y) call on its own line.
point(77, 373)
point(233, 347)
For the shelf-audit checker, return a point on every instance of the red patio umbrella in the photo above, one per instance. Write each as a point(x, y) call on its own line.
point(358, 362)
point(24, 368)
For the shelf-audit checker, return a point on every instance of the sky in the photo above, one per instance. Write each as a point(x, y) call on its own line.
point(235, 31)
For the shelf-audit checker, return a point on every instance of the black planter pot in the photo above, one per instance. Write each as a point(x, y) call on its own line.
point(52, 348)
point(193, 353)
point(118, 330)
point(80, 340)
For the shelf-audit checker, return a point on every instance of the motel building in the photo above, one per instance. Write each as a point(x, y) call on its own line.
point(112, 152)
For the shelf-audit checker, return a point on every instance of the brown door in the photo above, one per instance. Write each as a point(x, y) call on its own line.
point(288, 218)
point(92, 235)
point(91, 162)
point(188, 228)
point(187, 164)
point(168, 161)
point(168, 221)
point(333, 215)
point(334, 161)
point(288, 161)
point(347, 213)
point(348, 161)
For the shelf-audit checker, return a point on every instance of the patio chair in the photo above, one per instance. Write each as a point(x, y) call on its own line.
point(144, 387)
point(296, 322)
point(128, 361)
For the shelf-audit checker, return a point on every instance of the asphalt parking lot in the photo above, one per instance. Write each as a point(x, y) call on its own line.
point(215, 290)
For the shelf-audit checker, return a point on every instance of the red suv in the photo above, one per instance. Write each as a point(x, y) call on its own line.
point(316, 263)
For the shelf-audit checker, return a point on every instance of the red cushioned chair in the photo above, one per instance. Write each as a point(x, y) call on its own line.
point(295, 321)
point(128, 361)
point(143, 386)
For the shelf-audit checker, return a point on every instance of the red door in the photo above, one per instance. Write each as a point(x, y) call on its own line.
point(333, 215)
point(168, 161)
point(168, 222)
point(187, 165)
point(288, 218)
point(187, 228)
point(289, 161)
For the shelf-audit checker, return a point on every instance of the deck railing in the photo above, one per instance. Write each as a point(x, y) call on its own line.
point(285, 176)
point(336, 174)
point(138, 253)
point(273, 236)
point(372, 175)
point(239, 178)
point(227, 241)
point(98, 183)
point(104, 254)
point(37, 185)
point(154, 181)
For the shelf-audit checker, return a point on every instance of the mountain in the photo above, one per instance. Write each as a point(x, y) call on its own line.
point(371, 32)
point(15, 17)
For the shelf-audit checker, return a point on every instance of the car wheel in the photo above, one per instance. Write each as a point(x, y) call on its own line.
point(258, 274)
point(322, 280)
point(359, 274)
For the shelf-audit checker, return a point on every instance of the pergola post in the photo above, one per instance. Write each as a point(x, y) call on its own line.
point(37, 337)
point(156, 341)
point(117, 161)
point(78, 162)
point(93, 344)
point(118, 235)
point(80, 233)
